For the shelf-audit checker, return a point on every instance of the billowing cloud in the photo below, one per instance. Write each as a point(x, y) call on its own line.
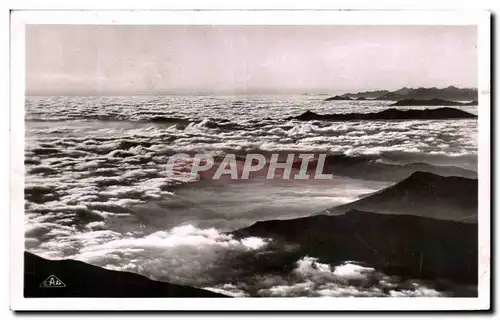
point(183, 254)
point(315, 279)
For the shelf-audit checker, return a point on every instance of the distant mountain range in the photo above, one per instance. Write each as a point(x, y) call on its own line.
point(450, 93)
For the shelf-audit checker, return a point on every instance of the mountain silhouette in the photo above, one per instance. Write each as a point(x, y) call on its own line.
point(389, 114)
point(340, 98)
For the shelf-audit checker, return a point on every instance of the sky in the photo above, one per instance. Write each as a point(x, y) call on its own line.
point(160, 59)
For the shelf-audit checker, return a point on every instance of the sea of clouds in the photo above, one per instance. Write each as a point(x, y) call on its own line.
point(91, 162)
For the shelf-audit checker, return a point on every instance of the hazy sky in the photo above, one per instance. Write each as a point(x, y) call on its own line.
point(98, 59)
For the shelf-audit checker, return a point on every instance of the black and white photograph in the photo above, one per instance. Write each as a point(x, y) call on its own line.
point(228, 161)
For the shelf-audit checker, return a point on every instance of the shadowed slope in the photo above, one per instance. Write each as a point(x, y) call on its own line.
point(403, 245)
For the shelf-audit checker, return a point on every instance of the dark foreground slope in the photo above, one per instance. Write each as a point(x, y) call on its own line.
point(423, 194)
point(390, 114)
point(84, 280)
point(403, 245)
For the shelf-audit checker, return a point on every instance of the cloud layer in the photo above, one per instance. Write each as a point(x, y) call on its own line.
point(98, 190)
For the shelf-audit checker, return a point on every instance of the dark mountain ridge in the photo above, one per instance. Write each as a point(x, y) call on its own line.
point(340, 98)
point(389, 114)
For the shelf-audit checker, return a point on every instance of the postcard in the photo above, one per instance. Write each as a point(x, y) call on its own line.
point(198, 160)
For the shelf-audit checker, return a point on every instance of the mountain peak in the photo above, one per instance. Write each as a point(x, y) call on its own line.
point(423, 175)
point(308, 113)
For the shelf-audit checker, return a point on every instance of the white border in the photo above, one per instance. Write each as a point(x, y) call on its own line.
point(481, 18)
